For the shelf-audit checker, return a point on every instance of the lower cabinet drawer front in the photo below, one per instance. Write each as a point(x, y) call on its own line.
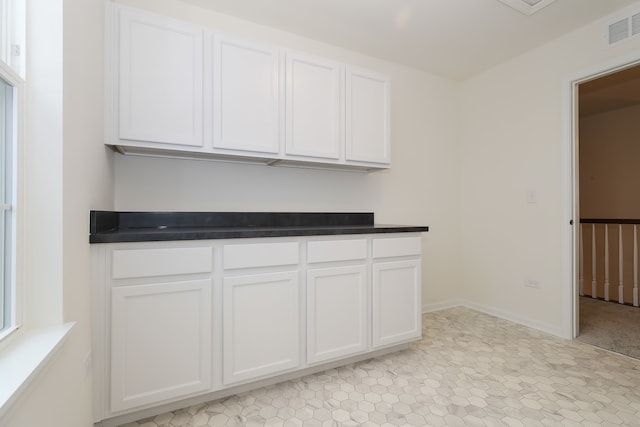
point(336, 250)
point(136, 263)
point(396, 246)
point(260, 255)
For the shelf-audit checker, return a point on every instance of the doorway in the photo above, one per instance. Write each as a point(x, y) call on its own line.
point(605, 129)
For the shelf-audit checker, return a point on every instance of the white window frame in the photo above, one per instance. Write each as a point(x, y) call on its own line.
point(12, 34)
point(12, 60)
point(37, 337)
point(11, 205)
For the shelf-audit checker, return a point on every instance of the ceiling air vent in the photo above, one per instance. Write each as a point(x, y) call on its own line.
point(527, 7)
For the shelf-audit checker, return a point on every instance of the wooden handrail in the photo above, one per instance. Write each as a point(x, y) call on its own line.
point(609, 221)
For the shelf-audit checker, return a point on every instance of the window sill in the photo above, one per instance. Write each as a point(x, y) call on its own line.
point(24, 358)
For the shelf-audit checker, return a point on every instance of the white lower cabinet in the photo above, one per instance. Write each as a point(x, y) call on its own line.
point(160, 342)
point(396, 302)
point(261, 318)
point(396, 290)
point(336, 312)
point(182, 320)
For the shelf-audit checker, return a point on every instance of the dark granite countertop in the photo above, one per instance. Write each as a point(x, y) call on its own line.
point(114, 227)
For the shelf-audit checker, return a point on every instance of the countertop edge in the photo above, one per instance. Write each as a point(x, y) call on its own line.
point(132, 236)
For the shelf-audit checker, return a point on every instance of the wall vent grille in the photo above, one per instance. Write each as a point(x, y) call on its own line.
point(635, 24)
point(618, 31)
point(623, 28)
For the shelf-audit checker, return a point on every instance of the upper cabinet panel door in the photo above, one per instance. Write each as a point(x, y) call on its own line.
point(367, 125)
point(246, 96)
point(313, 113)
point(160, 79)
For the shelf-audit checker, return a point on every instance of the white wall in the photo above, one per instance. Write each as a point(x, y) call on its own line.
point(42, 165)
point(609, 173)
point(513, 141)
point(72, 174)
point(421, 187)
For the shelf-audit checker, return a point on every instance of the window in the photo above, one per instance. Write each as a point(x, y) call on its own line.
point(8, 138)
point(12, 32)
point(11, 83)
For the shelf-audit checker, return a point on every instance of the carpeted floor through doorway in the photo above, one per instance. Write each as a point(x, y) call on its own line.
point(610, 325)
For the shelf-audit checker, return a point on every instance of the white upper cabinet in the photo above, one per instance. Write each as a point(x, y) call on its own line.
point(367, 104)
point(160, 95)
point(179, 89)
point(246, 96)
point(314, 107)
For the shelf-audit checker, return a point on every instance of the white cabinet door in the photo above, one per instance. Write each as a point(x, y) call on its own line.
point(261, 325)
point(367, 123)
point(160, 79)
point(160, 342)
point(246, 96)
point(336, 312)
point(314, 111)
point(396, 302)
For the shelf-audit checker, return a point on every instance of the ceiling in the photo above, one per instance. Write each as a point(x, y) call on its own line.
point(610, 92)
point(452, 38)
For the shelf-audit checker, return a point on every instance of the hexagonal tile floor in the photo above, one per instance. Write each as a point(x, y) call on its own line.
point(470, 369)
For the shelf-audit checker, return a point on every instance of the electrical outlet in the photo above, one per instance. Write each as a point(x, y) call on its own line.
point(531, 283)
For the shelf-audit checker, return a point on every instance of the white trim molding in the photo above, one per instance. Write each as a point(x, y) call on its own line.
point(505, 315)
point(442, 305)
point(22, 359)
point(570, 196)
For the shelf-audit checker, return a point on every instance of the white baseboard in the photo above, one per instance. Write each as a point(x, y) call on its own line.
point(506, 315)
point(442, 305)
